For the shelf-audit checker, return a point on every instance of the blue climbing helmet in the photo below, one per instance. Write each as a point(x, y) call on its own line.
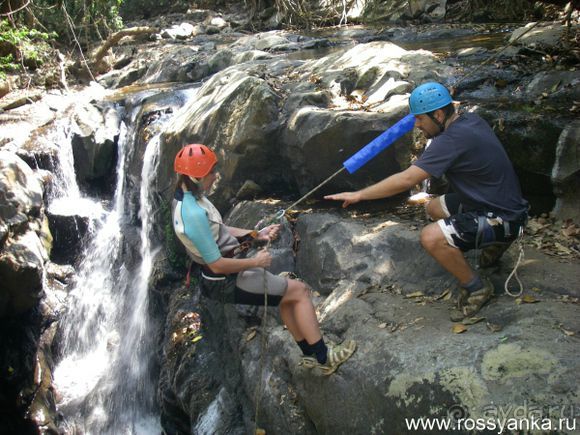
point(429, 97)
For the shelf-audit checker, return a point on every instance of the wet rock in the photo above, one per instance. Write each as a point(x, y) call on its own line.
point(540, 36)
point(21, 272)
point(69, 232)
point(566, 173)
point(93, 142)
point(20, 192)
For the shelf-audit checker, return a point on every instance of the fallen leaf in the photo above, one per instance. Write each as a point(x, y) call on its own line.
point(536, 289)
point(567, 331)
point(442, 295)
point(251, 334)
point(493, 327)
point(416, 294)
point(382, 325)
point(529, 299)
point(458, 328)
point(196, 339)
point(472, 320)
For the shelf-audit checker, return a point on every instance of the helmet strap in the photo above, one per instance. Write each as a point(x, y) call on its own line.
point(441, 125)
point(195, 180)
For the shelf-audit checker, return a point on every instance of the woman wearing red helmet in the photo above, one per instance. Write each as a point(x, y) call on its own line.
point(225, 276)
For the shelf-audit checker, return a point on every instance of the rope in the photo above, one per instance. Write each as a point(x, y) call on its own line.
point(313, 190)
point(263, 349)
point(514, 272)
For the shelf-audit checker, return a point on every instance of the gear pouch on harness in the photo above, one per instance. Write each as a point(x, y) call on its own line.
point(219, 288)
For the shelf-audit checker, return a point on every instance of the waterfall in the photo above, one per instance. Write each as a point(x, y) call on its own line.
point(96, 392)
point(104, 381)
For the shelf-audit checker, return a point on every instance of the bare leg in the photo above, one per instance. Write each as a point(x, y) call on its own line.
point(450, 258)
point(298, 313)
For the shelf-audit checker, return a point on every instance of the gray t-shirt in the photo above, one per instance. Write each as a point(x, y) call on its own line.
point(474, 161)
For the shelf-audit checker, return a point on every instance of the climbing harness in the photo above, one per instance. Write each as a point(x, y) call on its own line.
point(518, 241)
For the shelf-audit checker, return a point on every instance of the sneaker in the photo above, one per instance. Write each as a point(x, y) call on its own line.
point(337, 354)
point(491, 254)
point(456, 314)
point(469, 304)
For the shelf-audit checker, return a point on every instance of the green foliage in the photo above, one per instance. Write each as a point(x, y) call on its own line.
point(176, 256)
point(84, 20)
point(22, 46)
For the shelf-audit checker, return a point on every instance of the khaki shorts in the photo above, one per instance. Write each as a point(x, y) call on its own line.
point(245, 287)
point(468, 230)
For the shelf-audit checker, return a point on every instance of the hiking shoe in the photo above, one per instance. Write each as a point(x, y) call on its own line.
point(337, 354)
point(456, 314)
point(469, 304)
point(491, 254)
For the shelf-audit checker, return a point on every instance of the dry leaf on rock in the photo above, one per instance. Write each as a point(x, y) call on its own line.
point(472, 320)
point(416, 294)
point(493, 327)
point(458, 328)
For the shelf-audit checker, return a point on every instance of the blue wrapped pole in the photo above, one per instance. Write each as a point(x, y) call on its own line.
point(379, 144)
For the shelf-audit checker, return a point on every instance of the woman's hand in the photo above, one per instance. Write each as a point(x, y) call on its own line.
point(269, 233)
point(263, 259)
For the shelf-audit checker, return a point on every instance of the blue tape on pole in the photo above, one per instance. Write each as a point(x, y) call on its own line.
point(379, 144)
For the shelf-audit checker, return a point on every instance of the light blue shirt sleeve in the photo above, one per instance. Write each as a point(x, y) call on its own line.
point(197, 229)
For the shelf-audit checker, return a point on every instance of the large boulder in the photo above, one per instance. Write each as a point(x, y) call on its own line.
point(20, 194)
point(566, 173)
point(383, 290)
point(21, 272)
point(317, 142)
point(235, 113)
point(540, 36)
point(337, 253)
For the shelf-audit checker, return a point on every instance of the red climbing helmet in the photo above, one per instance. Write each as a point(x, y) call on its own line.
point(195, 160)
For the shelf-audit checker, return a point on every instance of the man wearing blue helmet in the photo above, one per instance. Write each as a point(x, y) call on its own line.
point(485, 209)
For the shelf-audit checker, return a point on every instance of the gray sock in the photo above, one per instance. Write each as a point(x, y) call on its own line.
point(473, 285)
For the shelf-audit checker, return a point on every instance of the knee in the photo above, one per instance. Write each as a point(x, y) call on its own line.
point(430, 209)
point(296, 291)
point(431, 237)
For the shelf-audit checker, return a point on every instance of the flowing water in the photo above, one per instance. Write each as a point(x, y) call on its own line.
point(106, 379)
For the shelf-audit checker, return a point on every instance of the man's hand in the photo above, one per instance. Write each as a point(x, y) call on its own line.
point(269, 233)
point(263, 259)
point(348, 198)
